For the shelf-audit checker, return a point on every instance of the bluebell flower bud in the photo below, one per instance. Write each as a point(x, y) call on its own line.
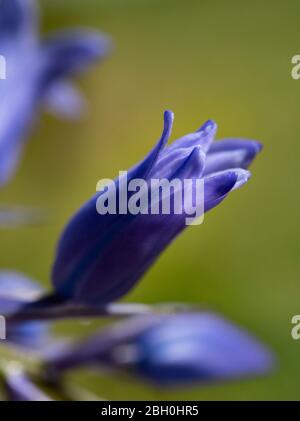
point(100, 257)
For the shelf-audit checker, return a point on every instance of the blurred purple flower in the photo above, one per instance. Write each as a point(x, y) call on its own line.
point(170, 350)
point(19, 387)
point(100, 258)
point(37, 72)
point(16, 290)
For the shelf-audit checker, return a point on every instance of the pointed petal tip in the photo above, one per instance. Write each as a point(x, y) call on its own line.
point(254, 145)
point(103, 44)
point(193, 165)
point(198, 154)
point(208, 126)
point(259, 146)
point(242, 176)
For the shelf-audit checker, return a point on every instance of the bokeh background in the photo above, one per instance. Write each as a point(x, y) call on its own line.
point(229, 61)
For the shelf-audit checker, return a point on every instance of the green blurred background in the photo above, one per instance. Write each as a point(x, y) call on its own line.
point(229, 61)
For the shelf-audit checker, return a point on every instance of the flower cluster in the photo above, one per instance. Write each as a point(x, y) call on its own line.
point(100, 258)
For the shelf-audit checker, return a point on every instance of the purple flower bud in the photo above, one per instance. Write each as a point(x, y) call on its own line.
point(198, 348)
point(171, 350)
point(101, 257)
point(37, 72)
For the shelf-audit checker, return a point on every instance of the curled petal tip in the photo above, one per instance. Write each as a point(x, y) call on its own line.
point(169, 115)
point(201, 155)
point(70, 52)
point(208, 126)
point(207, 133)
point(168, 123)
point(254, 147)
point(168, 118)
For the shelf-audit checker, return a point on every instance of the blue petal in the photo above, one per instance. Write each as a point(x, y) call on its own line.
point(16, 16)
point(231, 153)
point(19, 387)
point(202, 137)
point(231, 144)
point(69, 52)
point(218, 185)
point(181, 148)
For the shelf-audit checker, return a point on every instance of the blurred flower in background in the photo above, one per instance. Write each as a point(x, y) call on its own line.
point(16, 290)
point(170, 350)
point(38, 73)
